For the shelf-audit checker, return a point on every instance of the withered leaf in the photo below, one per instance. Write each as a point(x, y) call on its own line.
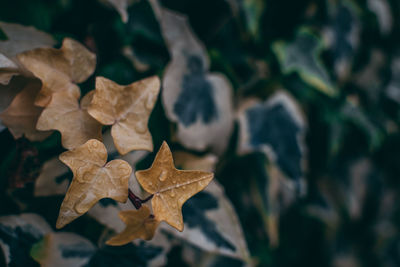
point(127, 109)
point(93, 180)
point(21, 116)
point(59, 69)
point(66, 115)
point(171, 187)
point(139, 224)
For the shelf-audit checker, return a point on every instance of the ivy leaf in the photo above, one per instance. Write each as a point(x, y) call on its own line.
point(19, 39)
point(8, 69)
point(171, 187)
point(253, 10)
point(121, 6)
point(139, 224)
point(53, 179)
point(66, 115)
point(59, 69)
point(302, 56)
point(93, 180)
point(276, 128)
point(211, 222)
point(21, 116)
point(198, 101)
point(17, 235)
point(9, 91)
point(342, 37)
point(62, 249)
point(127, 109)
point(382, 10)
point(392, 91)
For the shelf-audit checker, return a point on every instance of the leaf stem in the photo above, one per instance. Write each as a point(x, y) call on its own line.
point(137, 201)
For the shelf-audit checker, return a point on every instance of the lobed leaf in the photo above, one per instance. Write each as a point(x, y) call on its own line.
point(127, 109)
point(22, 115)
point(171, 187)
point(64, 114)
point(19, 39)
point(198, 101)
point(93, 180)
point(302, 56)
point(59, 69)
point(139, 224)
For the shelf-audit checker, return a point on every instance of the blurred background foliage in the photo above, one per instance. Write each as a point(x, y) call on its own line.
point(340, 60)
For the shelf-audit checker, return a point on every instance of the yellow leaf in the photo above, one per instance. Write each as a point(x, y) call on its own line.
point(93, 180)
point(127, 109)
point(139, 224)
point(21, 115)
point(171, 187)
point(66, 115)
point(59, 69)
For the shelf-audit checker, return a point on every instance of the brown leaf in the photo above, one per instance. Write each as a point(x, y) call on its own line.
point(171, 187)
point(59, 69)
point(66, 115)
point(93, 180)
point(127, 109)
point(139, 224)
point(21, 116)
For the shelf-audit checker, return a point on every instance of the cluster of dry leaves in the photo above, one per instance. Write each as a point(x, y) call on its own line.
point(50, 99)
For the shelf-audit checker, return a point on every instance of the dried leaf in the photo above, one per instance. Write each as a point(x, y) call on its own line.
point(20, 39)
point(66, 115)
point(59, 69)
point(171, 187)
point(21, 116)
point(199, 102)
point(55, 177)
point(139, 224)
point(93, 180)
point(127, 109)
